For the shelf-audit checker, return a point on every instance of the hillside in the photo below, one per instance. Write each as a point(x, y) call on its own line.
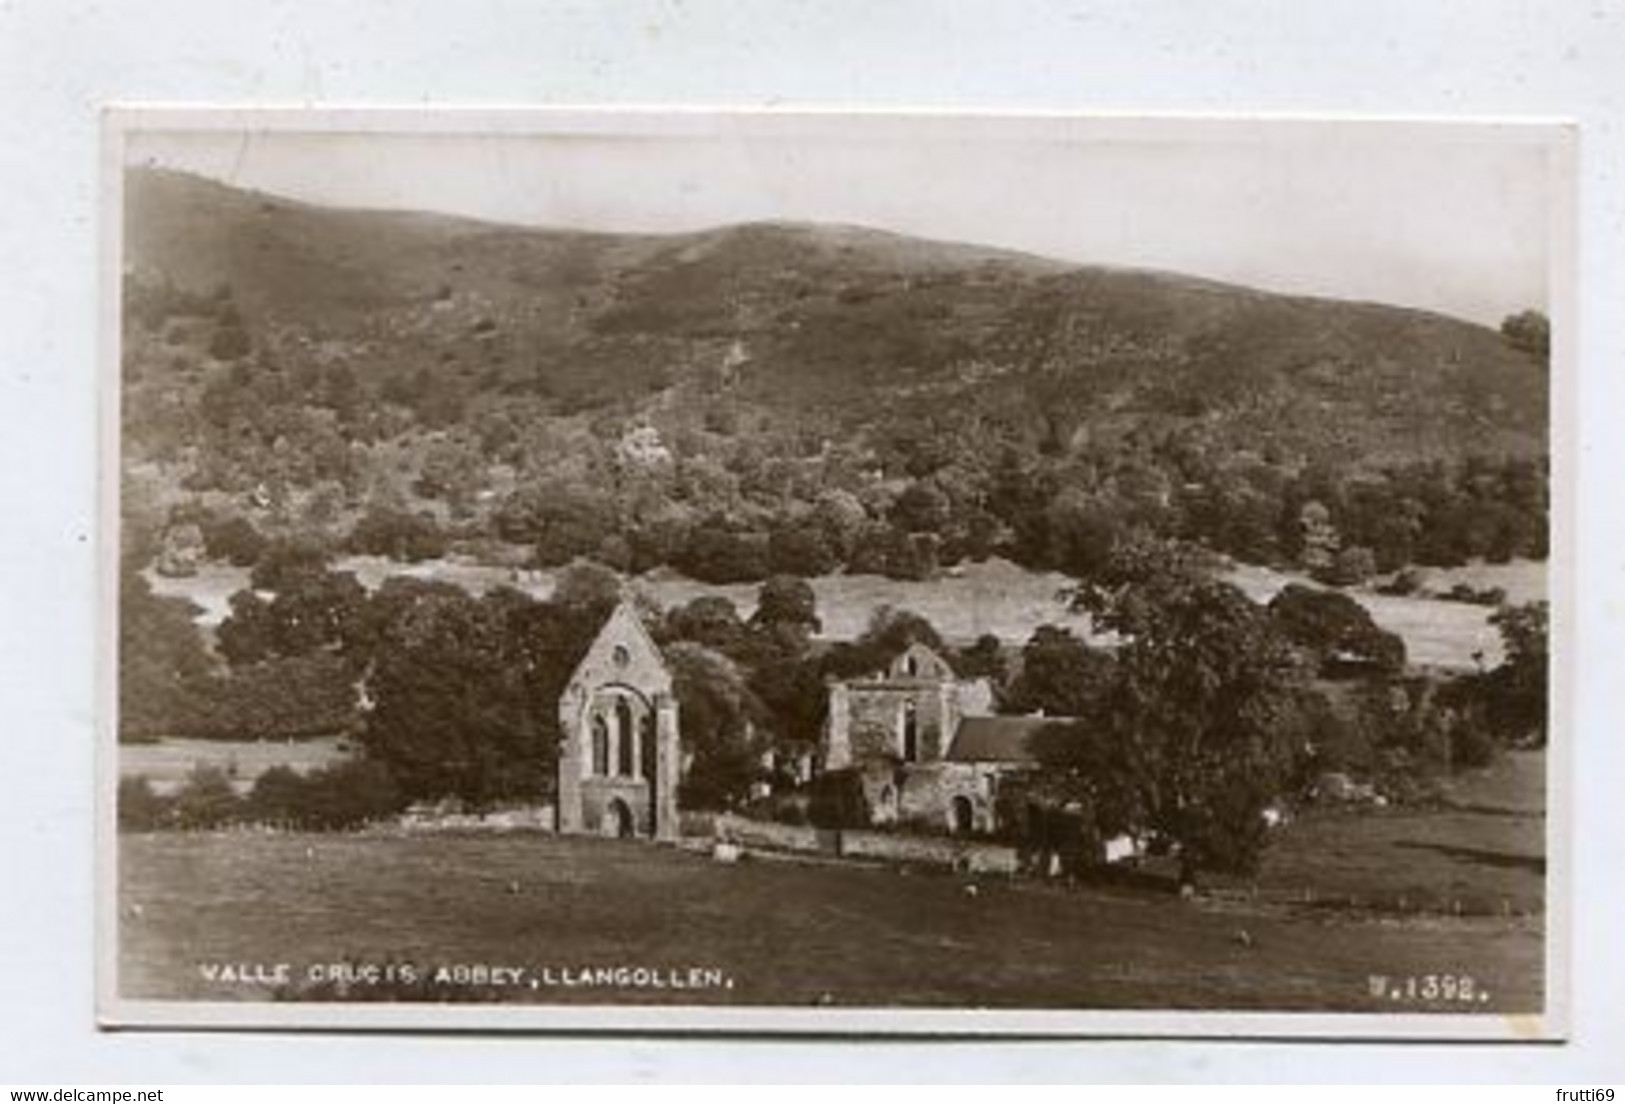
point(839, 318)
point(787, 396)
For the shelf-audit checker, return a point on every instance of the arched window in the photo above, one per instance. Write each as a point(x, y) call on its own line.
point(600, 745)
point(626, 738)
point(646, 734)
point(911, 733)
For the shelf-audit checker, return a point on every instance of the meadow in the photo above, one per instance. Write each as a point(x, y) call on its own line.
point(995, 596)
point(790, 932)
point(167, 763)
point(1480, 851)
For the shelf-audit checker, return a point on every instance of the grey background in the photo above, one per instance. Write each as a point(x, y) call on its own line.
point(60, 61)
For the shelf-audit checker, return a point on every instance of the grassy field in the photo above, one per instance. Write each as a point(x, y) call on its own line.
point(779, 932)
point(1483, 853)
point(996, 597)
point(1436, 633)
point(166, 763)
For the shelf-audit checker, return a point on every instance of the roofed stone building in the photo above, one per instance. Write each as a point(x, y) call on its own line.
point(925, 745)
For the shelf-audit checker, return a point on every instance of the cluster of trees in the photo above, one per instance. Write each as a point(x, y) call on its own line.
point(731, 492)
point(459, 689)
point(1198, 720)
point(161, 657)
point(1065, 512)
point(456, 693)
point(1214, 706)
point(1210, 707)
point(172, 685)
point(1047, 513)
point(346, 795)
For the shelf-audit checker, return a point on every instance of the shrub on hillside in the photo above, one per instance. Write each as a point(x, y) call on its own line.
point(1404, 583)
point(398, 535)
point(1349, 567)
point(232, 539)
point(287, 558)
point(881, 549)
point(1471, 595)
point(719, 555)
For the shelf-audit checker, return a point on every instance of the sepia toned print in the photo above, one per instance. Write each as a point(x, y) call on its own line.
point(835, 572)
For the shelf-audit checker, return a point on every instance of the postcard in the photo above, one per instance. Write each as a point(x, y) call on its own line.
point(834, 572)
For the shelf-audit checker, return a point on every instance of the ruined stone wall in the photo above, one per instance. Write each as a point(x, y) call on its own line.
point(875, 719)
point(622, 665)
point(927, 795)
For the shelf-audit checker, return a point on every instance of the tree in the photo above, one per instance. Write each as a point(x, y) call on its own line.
point(587, 586)
point(721, 726)
point(1317, 538)
point(801, 548)
point(205, 799)
point(892, 629)
point(232, 539)
point(1081, 766)
point(1349, 567)
point(795, 697)
point(1201, 716)
point(983, 659)
point(454, 712)
point(722, 552)
point(841, 517)
point(1060, 676)
point(563, 521)
point(1332, 627)
point(921, 508)
point(314, 612)
point(160, 650)
point(310, 611)
point(1517, 687)
point(881, 549)
point(1529, 332)
point(140, 809)
point(278, 698)
point(465, 689)
point(451, 472)
point(398, 534)
point(248, 633)
point(1083, 531)
point(285, 559)
point(710, 620)
point(786, 601)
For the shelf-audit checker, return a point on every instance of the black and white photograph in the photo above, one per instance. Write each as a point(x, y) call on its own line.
point(835, 572)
